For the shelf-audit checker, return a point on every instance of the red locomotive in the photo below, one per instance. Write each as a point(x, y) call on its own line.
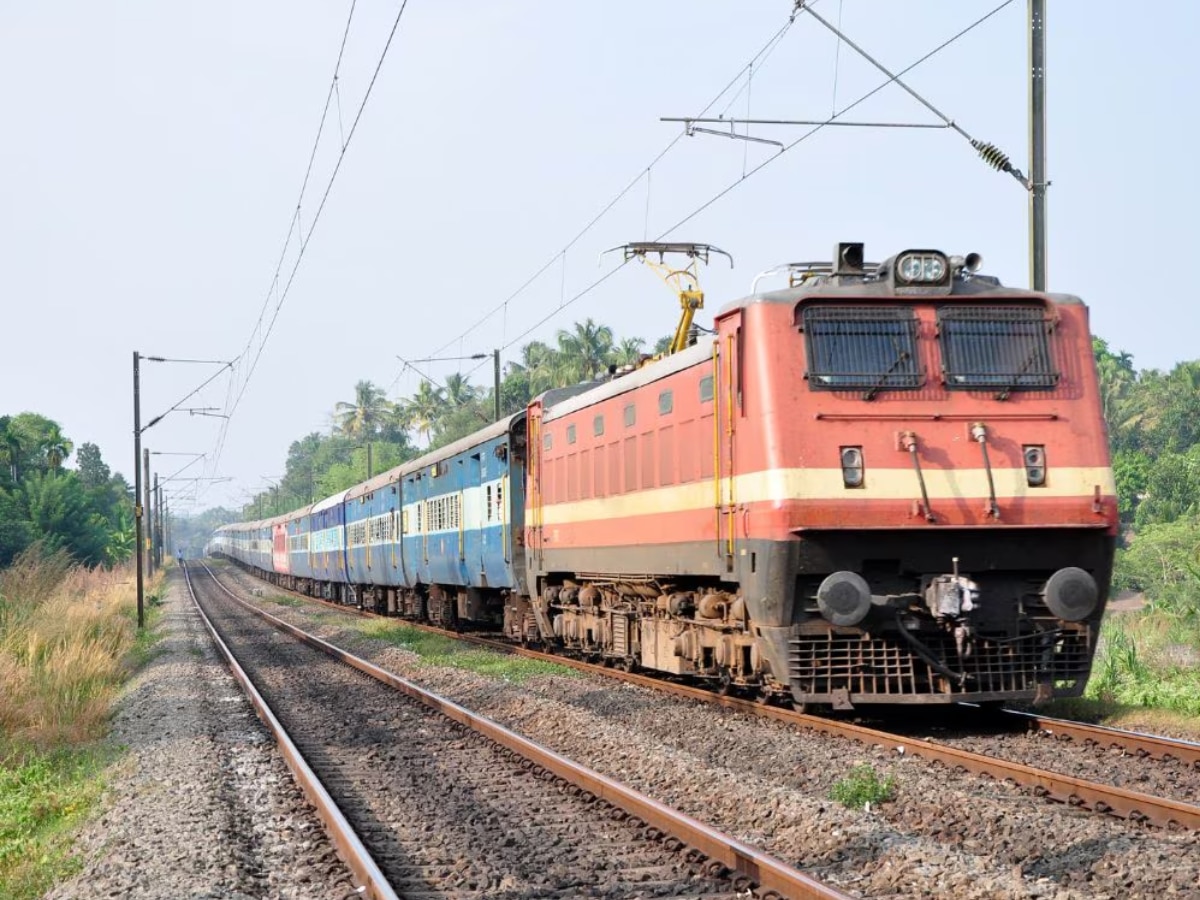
point(886, 483)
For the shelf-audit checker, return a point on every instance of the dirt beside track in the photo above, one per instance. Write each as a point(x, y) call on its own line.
point(202, 806)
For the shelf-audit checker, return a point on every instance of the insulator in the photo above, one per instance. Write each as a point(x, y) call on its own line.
point(993, 156)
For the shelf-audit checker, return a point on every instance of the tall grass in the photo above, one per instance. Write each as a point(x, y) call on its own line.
point(1149, 658)
point(65, 634)
point(68, 637)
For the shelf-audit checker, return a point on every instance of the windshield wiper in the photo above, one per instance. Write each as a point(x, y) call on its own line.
point(881, 382)
point(1016, 379)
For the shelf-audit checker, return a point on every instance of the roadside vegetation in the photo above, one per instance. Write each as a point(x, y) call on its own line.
point(1149, 657)
point(86, 510)
point(68, 638)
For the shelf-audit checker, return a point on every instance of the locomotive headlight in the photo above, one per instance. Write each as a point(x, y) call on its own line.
point(922, 268)
point(852, 467)
point(1035, 465)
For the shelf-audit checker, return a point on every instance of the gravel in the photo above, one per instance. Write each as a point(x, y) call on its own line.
point(443, 811)
point(201, 805)
point(946, 833)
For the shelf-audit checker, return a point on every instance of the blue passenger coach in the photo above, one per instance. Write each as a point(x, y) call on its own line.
point(327, 545)
point(372, 533)
point(441, 536)
point(460, 521)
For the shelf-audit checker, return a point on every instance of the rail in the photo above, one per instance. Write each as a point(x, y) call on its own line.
point(1148, 745)
point(768, 872)
point(1101, 798)
point(343, 836)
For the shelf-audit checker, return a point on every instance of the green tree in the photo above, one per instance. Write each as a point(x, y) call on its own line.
point(425, 409)
point(1172, 489)
point(16, 532)
point(122, 537)
point(57, 448)
point(1131, 470)
point(1120, 397)
point(628, 352)
point(10, 449)
point(458, 391)
point(585, 349)
point(367, 415)
point(93, 471)
point(62, 517)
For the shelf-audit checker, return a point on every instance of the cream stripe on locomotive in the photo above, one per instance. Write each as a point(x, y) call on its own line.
point(826, 484)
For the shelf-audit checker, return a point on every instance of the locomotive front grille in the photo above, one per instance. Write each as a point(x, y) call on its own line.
point(886, 666)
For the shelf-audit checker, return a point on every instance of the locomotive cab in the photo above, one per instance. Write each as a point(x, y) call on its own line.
point(925, 509)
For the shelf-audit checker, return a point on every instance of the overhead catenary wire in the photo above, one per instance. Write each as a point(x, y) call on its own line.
point(753, 171)
point(990, 153)
point(821, 125)
point(188, 396)
point(312, 156)
point(312, 225)
point(643, 173)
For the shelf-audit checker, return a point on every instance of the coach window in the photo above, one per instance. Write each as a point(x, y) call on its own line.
point(666, 402)
point(598, 426)
point(868, 348)
point(630, 415)
point(547, 441)
point(570, 434)
point(706, 389)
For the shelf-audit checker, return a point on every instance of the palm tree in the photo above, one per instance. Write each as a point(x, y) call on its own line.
point(586, 349)
point(628, 352)
point(366, 415)
point(459, 391)
point(425, 408)
point(56, 447)
point(10, 446)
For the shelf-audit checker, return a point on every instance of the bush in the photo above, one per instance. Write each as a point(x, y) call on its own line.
point(863, 787)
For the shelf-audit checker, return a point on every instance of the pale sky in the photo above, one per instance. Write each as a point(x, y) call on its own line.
point(154, 153)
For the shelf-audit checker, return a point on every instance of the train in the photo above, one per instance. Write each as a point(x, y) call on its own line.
point(886, 483)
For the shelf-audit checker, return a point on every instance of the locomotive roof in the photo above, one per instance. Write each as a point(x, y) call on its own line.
point(878, 288)
point(647, 374)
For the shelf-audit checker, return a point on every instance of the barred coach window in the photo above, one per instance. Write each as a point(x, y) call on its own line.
point(1006, 347)
point(871, 348)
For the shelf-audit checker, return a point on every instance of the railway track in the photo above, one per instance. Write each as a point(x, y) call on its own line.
point(424, 798)
point(1098, 796)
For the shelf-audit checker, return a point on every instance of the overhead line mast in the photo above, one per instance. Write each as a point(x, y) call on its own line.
point(1037, 144)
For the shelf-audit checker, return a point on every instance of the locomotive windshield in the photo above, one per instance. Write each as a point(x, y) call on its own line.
point(867, 347)
point(996, 346)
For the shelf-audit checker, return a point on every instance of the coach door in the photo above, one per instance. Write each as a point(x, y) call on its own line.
point(477, 517)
